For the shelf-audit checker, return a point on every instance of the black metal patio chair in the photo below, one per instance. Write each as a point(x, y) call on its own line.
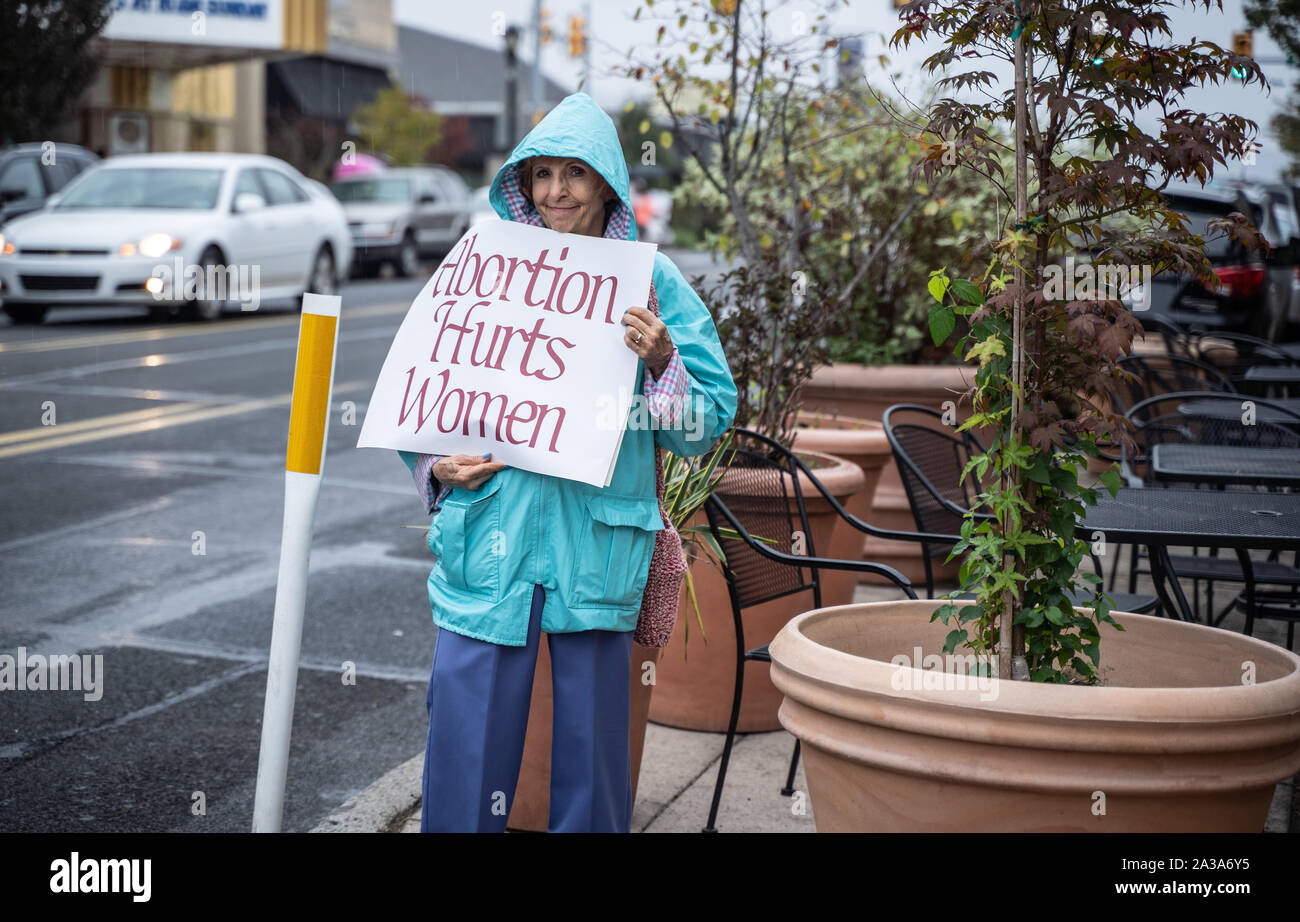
point(1234, 353)
point(1216, 419)
point(930, 462)
point(760, 499)
point(1152, 375)
point(1177, 339)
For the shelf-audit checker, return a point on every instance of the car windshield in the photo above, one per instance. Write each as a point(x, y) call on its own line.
point(146, 187)
point(373, 190)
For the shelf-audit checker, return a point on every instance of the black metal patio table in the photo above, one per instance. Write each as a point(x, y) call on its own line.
point(1227, 409)
point(1273, 379)
point(1226, 464)
point(1160, 518)
point(1273, 374)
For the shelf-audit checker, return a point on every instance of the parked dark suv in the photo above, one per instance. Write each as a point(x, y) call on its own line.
point(1254, 291)
point(27, 178)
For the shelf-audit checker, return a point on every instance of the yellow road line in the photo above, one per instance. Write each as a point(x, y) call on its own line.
point(154, 334)
point(60, 429)
point(163, 422)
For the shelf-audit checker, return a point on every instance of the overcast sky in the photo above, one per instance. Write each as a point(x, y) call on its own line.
point(613, 32)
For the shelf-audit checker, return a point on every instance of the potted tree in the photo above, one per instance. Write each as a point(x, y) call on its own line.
point(875, 229)
point(774, 319)
point(1031, 727)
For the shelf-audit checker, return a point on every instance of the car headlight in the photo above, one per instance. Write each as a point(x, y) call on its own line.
point(155, 245)
point(6, 245)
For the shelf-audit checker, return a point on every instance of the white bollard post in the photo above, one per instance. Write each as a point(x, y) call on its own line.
point(313, 387)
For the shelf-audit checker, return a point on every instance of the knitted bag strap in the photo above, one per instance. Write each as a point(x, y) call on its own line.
point(659, 458)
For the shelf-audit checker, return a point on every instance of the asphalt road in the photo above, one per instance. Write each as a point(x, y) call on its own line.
point(143, 526)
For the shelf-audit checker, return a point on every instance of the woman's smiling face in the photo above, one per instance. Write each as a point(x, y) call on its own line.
point(569, 195)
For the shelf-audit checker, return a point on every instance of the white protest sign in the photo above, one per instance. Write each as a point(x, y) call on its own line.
point(515, 347)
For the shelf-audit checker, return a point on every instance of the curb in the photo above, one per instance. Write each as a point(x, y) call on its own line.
point(392, 797)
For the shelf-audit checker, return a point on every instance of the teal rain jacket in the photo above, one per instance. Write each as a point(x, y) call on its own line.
point(588, 546)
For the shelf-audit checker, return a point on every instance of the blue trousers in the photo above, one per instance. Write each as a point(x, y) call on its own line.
point(478, 712)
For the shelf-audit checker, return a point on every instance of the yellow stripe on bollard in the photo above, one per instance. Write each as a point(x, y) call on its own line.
point(311, 393)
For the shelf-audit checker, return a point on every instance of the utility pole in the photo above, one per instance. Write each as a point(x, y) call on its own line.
point(537, 59)
point(586, 49)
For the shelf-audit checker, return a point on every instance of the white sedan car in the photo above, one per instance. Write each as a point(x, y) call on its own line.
point(188, 233)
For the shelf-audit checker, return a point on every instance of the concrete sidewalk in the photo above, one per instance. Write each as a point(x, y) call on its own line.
point(679, 769)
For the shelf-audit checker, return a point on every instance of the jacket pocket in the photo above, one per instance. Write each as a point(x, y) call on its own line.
point(613, 554)
point(468, 534)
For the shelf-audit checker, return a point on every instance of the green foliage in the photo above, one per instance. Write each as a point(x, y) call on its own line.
point(1092, 176)
point(1018, 539)
point(875, 228)
point(688, 483)
point(394, 126)
point(775, 318)
point(45, 63)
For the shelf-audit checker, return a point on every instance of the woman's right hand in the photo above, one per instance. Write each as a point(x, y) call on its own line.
point(469, 472)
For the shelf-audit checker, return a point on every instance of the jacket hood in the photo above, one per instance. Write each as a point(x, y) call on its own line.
point(577, 127)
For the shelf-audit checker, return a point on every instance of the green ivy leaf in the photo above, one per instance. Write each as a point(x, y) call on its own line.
point(942, 321)
point(1111, 480)
point(967, 291)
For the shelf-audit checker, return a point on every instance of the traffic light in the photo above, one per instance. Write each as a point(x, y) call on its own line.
point(548, 35)
point(1243, 44)
point(577, 36)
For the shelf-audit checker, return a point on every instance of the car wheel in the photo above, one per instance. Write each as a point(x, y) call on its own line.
point(323, 281)
point(161, 313)
point(205, 306)
point(408, 257)
point(26, 313)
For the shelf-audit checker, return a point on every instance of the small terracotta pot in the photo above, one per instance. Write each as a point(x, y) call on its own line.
point(861, 442)
point(1172, 741)
point(865, 392)
point(696, 679)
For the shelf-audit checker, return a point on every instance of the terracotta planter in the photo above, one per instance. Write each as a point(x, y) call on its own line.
point(1172, 742)
point(863, 443)
point(696, 679)
point(865, 392)
point(530, 807)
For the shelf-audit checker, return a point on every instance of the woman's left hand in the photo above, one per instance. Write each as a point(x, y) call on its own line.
point(647, 336)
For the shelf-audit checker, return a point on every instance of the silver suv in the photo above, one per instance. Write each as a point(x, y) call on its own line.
point(402, 215)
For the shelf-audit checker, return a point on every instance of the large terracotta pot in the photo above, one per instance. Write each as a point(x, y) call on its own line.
point(863, 443)
point(530, 807)
point(1173, 741)
point(696, 679)
point(865, 392)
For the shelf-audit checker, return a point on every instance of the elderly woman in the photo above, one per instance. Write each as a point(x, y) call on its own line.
point(520, 553)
